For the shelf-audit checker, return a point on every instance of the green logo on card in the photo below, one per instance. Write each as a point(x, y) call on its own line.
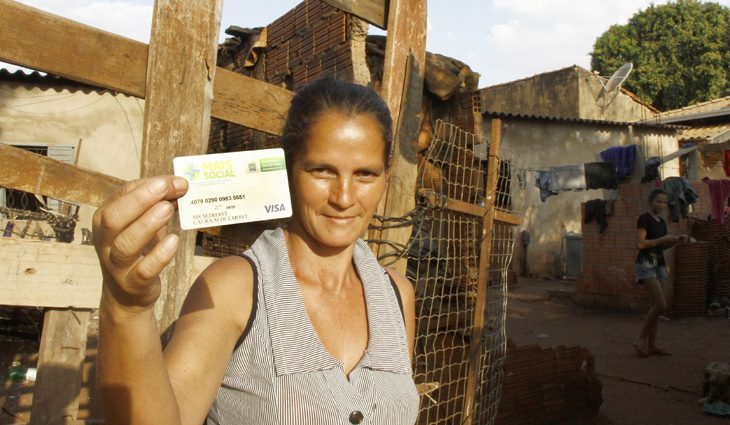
point(272, 164)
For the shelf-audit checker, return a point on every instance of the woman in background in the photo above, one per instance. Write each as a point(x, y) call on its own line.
point(651, 271)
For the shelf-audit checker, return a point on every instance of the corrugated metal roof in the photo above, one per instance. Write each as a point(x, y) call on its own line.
point(579, 120)
point(698, 108)
point(707, 132)
point(48, 80)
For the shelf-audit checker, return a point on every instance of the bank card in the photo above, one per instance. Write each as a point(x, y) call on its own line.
point(234, 187)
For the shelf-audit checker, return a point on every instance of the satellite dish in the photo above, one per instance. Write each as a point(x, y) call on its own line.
point(618, 77)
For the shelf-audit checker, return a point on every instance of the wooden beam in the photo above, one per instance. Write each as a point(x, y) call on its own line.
point(60, 359)
point(46, 42)
point(30, 172)
point(485, 250)
point(402, 89)
point(180, 74)
point(49, 274)
point(249, 102)
point(373, 11)
point(507, 218)
point(435, 201)
point(92, 56)
point(53, 274)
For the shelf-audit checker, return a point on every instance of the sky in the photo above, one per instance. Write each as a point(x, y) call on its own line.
point(503, 40)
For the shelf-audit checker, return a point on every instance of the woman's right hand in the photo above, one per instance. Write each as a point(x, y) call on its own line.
point(129, 232)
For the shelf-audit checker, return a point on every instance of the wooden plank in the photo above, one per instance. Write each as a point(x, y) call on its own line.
point(508, 218)
point(60, 357)
point(485, 250)
point(435, 201)
point(46, 42)
point(249, 102)
point(89, 55)
point(402, 89)
point(53, 274)
point(180, 75)
point(30, 172)
point(48, 274)
point(373, 11)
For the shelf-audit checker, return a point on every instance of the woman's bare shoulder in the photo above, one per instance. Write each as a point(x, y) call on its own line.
point(405, 287)
point(225, 286)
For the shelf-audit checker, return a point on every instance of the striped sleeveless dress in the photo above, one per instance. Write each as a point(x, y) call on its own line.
point(280, 372)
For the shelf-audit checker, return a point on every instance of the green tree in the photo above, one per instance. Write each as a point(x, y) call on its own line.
point(680, 52)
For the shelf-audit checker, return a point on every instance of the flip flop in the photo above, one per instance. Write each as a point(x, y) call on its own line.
point(660, 352)
point(639, 352)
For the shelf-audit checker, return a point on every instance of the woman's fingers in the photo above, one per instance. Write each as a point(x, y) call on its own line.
point(131, 242)
point(133, 200)
point(178, 185)
point(152, 264)
point(141, 284)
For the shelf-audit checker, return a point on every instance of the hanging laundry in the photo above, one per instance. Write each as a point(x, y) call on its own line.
point(719, 192)
point(600, 175)
point(623, 157)
point(681, 194)
point(651, 169)
point(596, 208)
point(522, 179)
point(542, 181)
point(568, 177)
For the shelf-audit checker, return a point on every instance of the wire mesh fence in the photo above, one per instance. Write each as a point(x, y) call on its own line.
point(444, 254)
point(444, 262)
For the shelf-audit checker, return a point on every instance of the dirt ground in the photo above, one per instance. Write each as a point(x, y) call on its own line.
point(636, 391)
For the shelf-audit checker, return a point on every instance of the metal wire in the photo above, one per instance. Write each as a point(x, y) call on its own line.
point(443, 256)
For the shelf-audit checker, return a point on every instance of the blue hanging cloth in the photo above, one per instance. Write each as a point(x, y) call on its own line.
point(623, 157)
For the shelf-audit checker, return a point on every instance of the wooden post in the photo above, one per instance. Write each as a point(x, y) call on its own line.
point(404, 68)
point(60, 357)
point(485, 250)
point(180, 74)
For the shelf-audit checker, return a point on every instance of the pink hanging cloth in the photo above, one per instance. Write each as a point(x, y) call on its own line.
point(719, 192)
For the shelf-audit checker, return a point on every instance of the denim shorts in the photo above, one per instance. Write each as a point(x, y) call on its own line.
point(649, 269)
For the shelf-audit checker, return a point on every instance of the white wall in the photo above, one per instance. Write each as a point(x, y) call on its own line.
point(543, 144)
point(106, 128)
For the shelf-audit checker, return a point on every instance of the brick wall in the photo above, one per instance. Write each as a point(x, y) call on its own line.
point(308, 42)
point(608, 277)
point(548, 385)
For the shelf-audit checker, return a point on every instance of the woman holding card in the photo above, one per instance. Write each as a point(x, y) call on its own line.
point(306, 327)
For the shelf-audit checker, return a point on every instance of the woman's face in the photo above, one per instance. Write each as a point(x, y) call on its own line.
point(659, 203)
point(338, 179)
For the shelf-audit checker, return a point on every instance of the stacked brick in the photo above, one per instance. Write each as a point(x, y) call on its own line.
point(308, 42)
point(717, 237)
point(459, 110)
point(608, 277)
point(548, 386)
point(608, 258)
point(691, 276)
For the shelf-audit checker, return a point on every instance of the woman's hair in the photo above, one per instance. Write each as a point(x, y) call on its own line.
point(656, 192)
point(330, 95)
